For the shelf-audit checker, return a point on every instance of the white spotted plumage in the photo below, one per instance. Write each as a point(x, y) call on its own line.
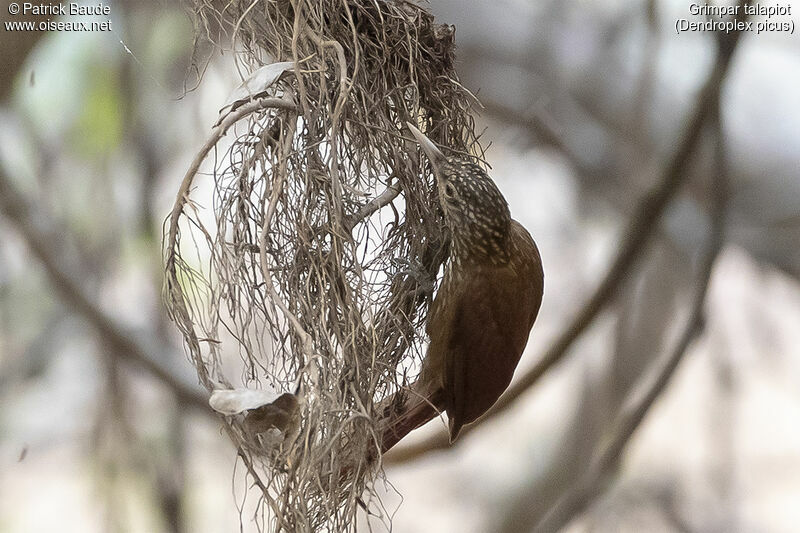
point(477, 210)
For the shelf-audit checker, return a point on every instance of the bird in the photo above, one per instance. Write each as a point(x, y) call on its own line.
point(488, 300)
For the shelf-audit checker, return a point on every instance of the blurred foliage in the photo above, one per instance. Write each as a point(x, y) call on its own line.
point(98, 130)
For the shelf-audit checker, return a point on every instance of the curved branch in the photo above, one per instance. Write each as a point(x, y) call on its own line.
point(216, 134)
point(584, 492)
point(178, 309)
point(640, 227)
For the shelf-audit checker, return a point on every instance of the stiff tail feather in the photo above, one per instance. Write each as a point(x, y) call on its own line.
point(416, 410)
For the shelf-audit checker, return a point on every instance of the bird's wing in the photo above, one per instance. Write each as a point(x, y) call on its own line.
point(490, 329)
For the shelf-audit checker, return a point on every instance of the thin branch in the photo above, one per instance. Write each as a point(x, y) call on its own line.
point(641, 225)
point(123, 344)
point(649, 71)
point(585, 491)
point(540, 126)
point(382, 200)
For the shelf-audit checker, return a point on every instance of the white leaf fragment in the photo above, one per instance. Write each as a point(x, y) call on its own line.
point(231, 402)
point(258, 82)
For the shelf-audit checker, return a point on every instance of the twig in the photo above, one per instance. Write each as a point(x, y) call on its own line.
point(649, 70)
point(641, 225)
point(582, 494)
point(382, 200)
point(124, 345)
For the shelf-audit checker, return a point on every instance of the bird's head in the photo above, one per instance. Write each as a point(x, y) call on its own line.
point(475, 210)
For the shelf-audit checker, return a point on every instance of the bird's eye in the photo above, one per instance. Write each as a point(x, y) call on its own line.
point(449, 190)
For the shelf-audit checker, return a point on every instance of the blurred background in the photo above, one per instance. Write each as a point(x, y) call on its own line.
point(102, 427)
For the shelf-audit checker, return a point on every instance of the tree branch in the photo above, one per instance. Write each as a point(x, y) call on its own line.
point(124, 345)
point(584, 492)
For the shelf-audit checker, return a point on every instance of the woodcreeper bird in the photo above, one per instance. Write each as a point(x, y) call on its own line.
point(490, 295)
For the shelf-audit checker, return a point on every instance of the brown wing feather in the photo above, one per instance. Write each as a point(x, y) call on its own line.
point(492, 317)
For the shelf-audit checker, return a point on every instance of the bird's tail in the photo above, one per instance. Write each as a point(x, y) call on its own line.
point(401, 413)
point(407, 413)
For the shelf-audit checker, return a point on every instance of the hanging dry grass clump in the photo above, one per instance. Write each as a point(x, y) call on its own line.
point(313, 259)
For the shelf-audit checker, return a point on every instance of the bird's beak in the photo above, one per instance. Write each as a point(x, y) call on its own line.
point(436, 157)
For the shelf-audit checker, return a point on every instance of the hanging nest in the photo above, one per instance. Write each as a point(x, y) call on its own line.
point(306, 278)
